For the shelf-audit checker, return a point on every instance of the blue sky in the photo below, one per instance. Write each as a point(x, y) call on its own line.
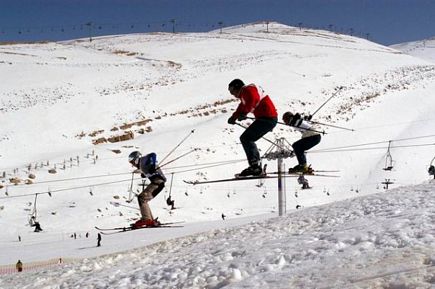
point(383, 21)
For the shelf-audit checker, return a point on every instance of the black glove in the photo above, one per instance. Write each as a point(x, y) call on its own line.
point(231, 120)
point(294, 119)
point(242, 117)
point(308, 117)
point(143, 176)
point(152, 169)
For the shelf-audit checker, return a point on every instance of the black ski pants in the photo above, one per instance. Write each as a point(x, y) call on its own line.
point(304, 144)
point(254, 132)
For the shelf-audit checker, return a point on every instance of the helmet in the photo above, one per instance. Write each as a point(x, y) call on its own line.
point(287, 116)
point(236, 84)
point(133, 157)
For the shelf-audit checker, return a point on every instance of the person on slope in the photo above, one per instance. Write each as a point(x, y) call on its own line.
point(252, 100)
point(147, 167)
point(310, 138)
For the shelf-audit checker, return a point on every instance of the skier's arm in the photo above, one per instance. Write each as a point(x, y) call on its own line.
point(299, 123)
point(248, 101)
point(149, 166)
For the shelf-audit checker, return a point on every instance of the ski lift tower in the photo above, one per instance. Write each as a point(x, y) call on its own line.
point(280, 151)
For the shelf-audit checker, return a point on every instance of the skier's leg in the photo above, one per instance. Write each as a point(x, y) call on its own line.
point(248, 138)
point(304, 144)
point(311, 141)
point(144, 198)
point(160, 185)
point(299, 150)
point(253, 133)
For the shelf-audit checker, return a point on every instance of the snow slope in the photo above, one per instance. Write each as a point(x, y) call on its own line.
point(424, 49)
point(57, 98)
point(385, 240)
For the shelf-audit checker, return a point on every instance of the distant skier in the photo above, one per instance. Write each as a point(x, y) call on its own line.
point(98, 240)
point(147, 167)
point(19, 266)
point(252, 100)
point(170, 202)
point(310, 138)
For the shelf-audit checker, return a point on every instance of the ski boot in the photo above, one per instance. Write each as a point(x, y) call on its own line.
point(301, 169)
point(254, 170)
point(141, 223)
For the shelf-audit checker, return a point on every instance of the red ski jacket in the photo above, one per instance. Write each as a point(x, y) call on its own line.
point(253, 99)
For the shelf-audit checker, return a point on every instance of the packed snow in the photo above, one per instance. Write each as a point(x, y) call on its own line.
point(385, 240)
point(424, 49)
point(367, 224)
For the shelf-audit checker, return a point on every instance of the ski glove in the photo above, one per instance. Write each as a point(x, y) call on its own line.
point(242, 117)
point(152, 169)
point(308, 117)
point(231, 120)
point(294, 119)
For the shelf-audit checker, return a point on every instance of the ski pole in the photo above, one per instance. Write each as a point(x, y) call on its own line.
point(130, 191)
point(131, 183)
point(183, 155)
point(170, 187)
point(309, 129)
point(330, 125)
point(262, 137)
point(333, 95)
point(183, 140)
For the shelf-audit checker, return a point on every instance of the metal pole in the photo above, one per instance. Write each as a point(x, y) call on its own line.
point(170, 188)
point(281, 183)
point(333, 95)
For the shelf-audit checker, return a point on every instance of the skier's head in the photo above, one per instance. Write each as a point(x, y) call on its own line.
point(133, 158)
point(287, 116)
point(234, 86)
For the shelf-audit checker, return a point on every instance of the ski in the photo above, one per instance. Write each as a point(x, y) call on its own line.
point(234, 179)
point(129, 228)
point(315, 173)
point(275, 175)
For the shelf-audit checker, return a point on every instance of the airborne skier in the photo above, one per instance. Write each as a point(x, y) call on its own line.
point(310, 138)
point(252, 100)
point(147, 167)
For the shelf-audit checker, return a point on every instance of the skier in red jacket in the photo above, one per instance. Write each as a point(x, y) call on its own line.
point(252, 100)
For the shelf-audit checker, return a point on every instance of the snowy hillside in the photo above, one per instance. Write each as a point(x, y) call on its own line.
point(424, 49)
point(384, 240)
point(65, 106)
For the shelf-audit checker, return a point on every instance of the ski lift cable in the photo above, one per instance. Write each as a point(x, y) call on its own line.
point(118, 174)
point(379, 142)
point(365, 149)
point(395, 124)
point(66, 189)
point(230, 162)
